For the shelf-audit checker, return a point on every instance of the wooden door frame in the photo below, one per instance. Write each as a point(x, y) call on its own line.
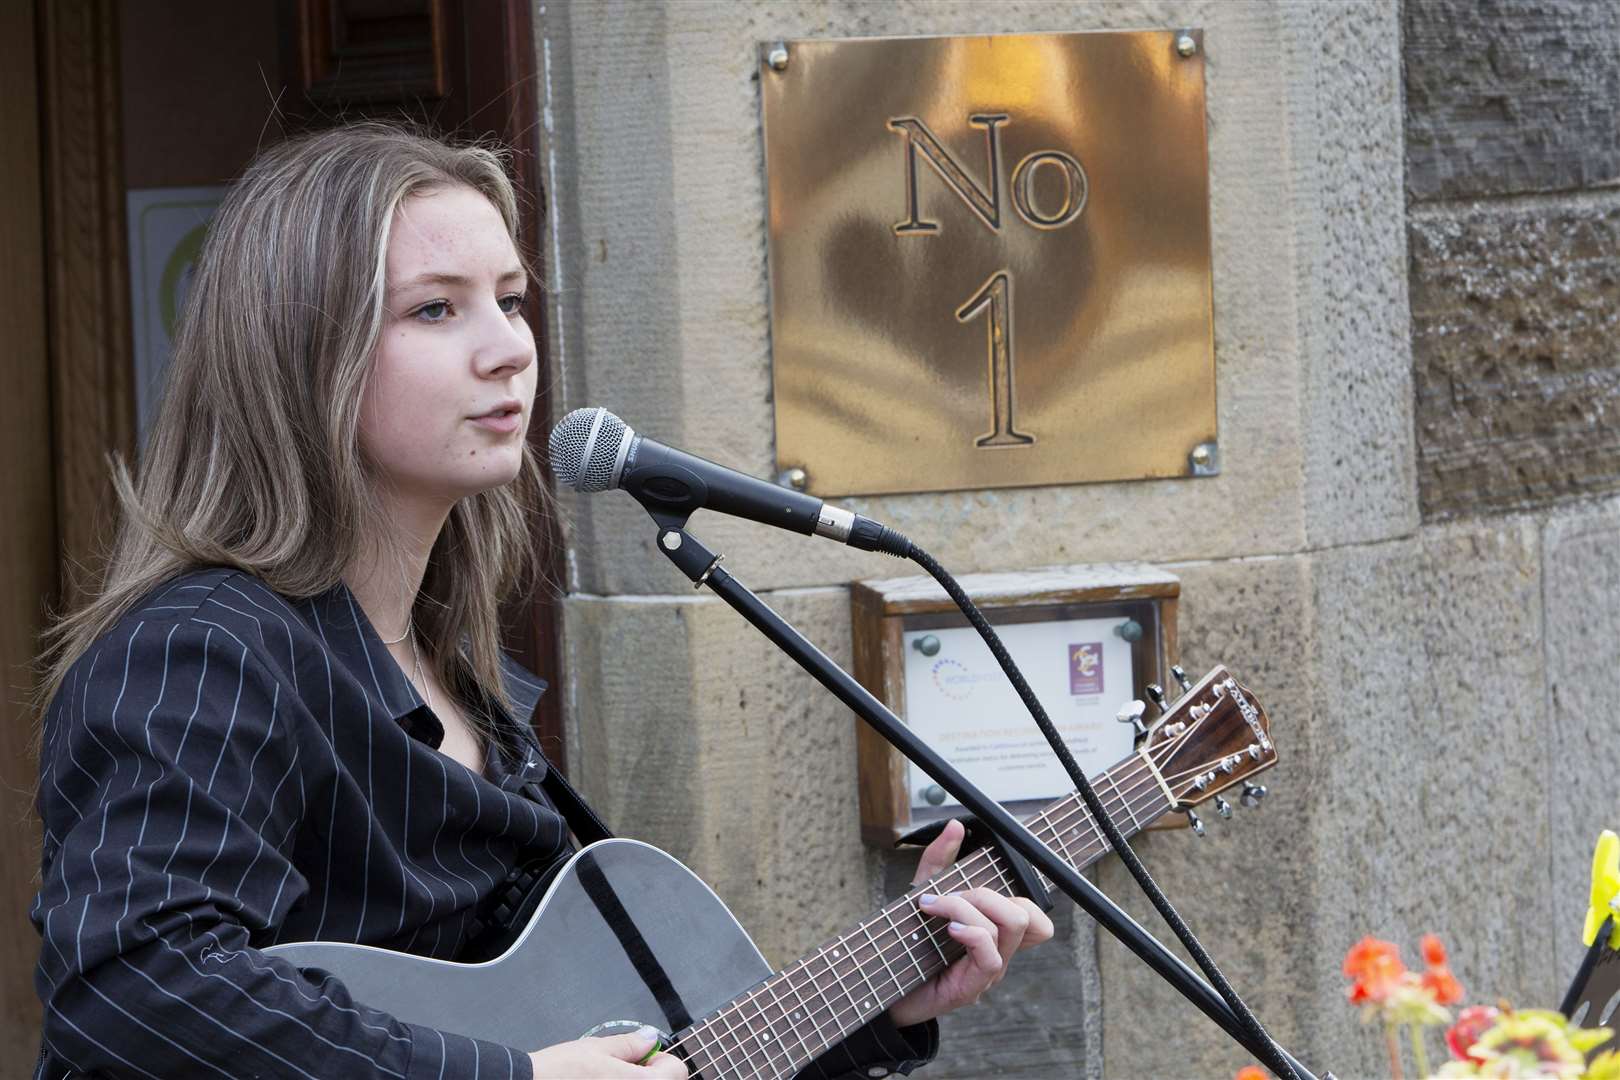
point(28, 537)
point(503, 71)
point(91, 353)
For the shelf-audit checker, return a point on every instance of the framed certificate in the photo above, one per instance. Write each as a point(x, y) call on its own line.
point(1087, 638)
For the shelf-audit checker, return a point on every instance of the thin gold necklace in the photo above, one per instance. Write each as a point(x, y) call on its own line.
point(409, 626)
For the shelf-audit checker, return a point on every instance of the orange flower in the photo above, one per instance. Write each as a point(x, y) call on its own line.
point(1250, 1072)
point(1438, 979)
point(1375, 969)
point(1443, 985)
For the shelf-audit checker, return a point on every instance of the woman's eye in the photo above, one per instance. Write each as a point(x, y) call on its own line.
point(513, 303)
point(434, 312)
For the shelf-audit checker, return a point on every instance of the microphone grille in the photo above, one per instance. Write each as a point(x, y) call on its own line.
point(585, 449)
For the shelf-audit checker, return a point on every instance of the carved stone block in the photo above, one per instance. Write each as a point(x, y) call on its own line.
point(1511, 97)
point(1516, 371)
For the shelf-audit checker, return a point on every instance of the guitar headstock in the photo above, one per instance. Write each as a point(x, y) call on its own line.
point(1214, 737)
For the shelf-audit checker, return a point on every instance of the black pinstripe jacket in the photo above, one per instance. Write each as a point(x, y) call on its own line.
point(227, 769)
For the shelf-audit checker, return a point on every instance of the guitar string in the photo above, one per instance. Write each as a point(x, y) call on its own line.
point(829, 955)
point(796, 1031)
point(880, 951)
point(1139, 784)
point(1140, 781)
point(835, 950)
point(837, 1016)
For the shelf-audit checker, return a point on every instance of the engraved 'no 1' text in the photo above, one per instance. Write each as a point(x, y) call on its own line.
point(995, 296)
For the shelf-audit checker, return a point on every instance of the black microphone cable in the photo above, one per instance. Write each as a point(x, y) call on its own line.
point(882, 538)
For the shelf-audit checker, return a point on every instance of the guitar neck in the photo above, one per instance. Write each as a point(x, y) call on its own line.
point(789, 1019)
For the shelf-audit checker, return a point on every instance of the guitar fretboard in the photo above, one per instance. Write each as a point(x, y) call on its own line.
point(788, 1020)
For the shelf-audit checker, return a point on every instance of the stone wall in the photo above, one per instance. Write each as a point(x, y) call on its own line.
point(1513, 187)
point(1513, 171)
point(1427, 646)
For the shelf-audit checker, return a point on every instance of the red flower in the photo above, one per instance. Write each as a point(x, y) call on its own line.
point(1434, 953)
point(1375, 969)
point(1250, 1072)
point(1471, 1023)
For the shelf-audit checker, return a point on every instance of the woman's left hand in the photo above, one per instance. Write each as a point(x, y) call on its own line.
point(991, 927)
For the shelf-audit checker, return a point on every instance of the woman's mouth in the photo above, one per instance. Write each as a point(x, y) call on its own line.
point(503, 419)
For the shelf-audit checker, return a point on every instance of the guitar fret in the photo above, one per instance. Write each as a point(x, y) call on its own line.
point(732, 1039)
point(770, 1040)
point(829, 1010)
point(792, 1029)
point(1002, 878)
point(878, 954)
point(805, 1013)
point(888, 914)
point(841, 999)
point(871, 1004)
point(928, 930)
point(752, 1044)
point(1115, 781)
point(832, 1011)
point(709, 1044)
point(743, 1043)
point(692, 1043)
point(1060, 841)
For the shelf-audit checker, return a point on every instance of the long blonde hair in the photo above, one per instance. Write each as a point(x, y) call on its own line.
point(254, 459)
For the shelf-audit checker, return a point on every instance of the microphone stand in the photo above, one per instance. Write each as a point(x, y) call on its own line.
point(702, 567)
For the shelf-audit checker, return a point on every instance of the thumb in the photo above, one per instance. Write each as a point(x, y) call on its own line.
point(635, 1047)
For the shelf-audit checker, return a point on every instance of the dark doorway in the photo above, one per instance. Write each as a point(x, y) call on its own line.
point(175, 96)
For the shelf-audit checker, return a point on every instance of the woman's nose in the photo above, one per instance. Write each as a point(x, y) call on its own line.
point(507, 347)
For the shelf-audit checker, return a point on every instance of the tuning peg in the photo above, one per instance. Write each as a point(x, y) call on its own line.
point(1156, 692)
point(1131, 713)
point(1196, 822)
point(1252, 794)
point(1180, 674)
point(1223, 808)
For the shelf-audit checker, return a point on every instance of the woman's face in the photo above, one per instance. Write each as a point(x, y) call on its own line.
point(452, 381)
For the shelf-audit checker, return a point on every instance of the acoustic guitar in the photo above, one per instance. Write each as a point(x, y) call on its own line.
point(625, 935)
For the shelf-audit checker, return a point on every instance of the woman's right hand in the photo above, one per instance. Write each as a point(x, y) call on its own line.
point(608, 1057)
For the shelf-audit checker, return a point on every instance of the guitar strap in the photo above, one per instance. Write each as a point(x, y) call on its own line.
point(581, 819)
point(512, 904)
point(652, 973)
point(509, 906)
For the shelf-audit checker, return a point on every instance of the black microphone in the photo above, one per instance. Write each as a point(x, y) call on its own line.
point(593, 450)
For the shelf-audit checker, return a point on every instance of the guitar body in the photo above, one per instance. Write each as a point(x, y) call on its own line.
point(626, 935)
point(568, 971)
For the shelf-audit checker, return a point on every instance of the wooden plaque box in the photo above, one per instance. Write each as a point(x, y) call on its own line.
point(886, 612)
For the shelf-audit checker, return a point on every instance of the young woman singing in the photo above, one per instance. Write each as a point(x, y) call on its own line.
point(286, 715)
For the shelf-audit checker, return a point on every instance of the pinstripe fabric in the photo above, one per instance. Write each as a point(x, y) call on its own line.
point(226, 769)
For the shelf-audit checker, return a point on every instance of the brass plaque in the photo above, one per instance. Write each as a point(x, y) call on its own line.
point(989, 260)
